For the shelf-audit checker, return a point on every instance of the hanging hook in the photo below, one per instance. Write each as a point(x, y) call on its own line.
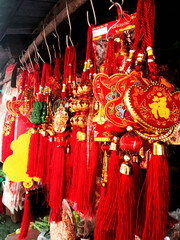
point(30, 60)
point(45, 40)
point(122, 2)
point(117, 5)
point(70, 28)
point(27, 68)
point(94, 14)
point(22, 64)
point(58, 38)
point(38, 52)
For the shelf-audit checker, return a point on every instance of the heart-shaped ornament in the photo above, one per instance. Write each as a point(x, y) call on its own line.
point(155, 107)
point(115, 110)
point(104, 87)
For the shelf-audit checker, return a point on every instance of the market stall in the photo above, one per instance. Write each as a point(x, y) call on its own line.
point(93, 136)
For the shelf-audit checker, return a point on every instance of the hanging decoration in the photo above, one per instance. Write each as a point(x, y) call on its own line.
point(87, 140)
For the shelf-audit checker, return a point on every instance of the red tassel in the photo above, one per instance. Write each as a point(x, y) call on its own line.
point(26, 219)
point(33, 153)
point(91, 181)
point(42, 159)
point(55, 215)
point(68, 171)
point(109, 219)
point(70, 161)
point(1, 205)
point(156, 195)
point(81, 191)
point(75, 162)
point(57, 179)
point(138, 177)
point(51, 145)
point(99, 234)
point(127, 207)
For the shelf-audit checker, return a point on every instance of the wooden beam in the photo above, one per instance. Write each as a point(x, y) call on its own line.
point(60, 17)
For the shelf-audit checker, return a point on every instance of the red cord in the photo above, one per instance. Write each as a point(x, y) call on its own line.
point(144, 33)
point(90, 60)
point(110, 62)
point(69, 71)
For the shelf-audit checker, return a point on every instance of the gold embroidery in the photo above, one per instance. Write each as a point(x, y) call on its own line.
point(159, 106)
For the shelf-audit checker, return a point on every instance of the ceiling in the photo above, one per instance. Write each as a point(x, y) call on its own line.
point(18, 19)
point(22, 20)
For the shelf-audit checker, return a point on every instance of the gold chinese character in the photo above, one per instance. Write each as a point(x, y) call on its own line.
point(159, 106)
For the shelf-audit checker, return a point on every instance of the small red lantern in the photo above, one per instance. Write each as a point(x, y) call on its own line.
point(130, 142)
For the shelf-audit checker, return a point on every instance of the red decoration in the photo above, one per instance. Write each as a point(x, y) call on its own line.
point(115, 109)
point(127, 207)
point(109, 221)
point(91, 182)
point(103, 86)
point(99, 234)
point(152, 225)
point(26, 219)
point(6, 142)
point(41, 162)
point(130, 142)
point(155, 107)
point(57, 178)
point(33, 153)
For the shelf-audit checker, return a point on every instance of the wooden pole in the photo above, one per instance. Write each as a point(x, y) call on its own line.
point(72, 6)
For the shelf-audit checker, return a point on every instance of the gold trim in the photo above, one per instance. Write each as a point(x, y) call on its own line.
point(133, 113)
point(163, 137)
point(158, 149)
point(102, 139)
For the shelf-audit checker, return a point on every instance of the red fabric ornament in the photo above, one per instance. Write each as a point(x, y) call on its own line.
point(154, 107)
point(26, 219)
point(113, 129)
point(156, 195)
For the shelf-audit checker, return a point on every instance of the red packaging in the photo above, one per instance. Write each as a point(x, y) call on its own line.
point(123, 34)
